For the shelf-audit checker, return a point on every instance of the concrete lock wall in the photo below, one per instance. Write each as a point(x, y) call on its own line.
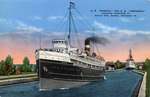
point(142, 90)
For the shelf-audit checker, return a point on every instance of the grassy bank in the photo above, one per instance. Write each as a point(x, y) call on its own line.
point(147, 69)
point(148, 82)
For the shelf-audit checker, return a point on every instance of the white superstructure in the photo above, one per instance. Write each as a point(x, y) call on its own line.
point(130, 62)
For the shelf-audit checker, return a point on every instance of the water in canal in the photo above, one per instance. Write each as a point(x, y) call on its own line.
point(117, 84)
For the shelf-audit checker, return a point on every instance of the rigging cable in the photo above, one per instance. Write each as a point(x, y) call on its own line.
point(89, 26)
point(87, 22)
point(62, 24)
point(78, 40)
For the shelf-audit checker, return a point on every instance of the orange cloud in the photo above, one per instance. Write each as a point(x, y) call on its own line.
point(18, 50)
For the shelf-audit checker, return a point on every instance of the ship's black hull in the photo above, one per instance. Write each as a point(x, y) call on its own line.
point(66, 71)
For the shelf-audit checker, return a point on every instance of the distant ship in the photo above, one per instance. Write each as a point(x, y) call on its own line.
point(130, 61)
point(63, 66)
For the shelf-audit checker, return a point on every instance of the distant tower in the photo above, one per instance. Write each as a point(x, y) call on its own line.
point(130, 62)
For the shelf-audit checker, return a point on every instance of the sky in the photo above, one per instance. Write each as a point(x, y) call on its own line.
point(23, 22)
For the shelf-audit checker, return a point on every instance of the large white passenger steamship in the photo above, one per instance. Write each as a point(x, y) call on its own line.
point(63, 66)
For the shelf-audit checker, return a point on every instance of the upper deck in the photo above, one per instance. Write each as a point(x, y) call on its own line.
point(59, 44)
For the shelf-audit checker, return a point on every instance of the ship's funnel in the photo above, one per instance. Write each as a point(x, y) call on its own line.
point(87, 47)
point(94, 39)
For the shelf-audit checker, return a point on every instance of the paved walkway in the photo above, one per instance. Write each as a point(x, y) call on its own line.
point(143, 87)
point(17, 76)
point(12, 79)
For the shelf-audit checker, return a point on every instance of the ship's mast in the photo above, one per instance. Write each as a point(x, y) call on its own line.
point(71, 6)
point(130, 54)
point(69, 23)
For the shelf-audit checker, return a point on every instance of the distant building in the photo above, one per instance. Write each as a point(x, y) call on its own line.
point(140, 65)
point(110, 66)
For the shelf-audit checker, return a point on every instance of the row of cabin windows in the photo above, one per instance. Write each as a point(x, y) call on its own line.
point(59, 50)
point(59, 41)
point(91, 66)
point(56, 62)
point(62, 69)
point(56, 50)
point(51, 49)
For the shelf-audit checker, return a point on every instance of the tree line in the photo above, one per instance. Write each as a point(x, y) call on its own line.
point(7, 66)
point(119, 65)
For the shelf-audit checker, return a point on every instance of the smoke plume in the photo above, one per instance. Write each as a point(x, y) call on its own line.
point(99, 40)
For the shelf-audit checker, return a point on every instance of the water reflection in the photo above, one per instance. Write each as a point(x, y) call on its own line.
point(117, 84)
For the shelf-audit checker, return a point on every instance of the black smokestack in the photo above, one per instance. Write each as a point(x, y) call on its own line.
point(87, 42)
point(87, 47)
point(94, 39)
